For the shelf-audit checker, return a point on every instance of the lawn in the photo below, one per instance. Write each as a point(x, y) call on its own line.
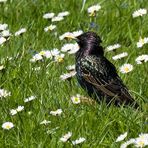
point(26, 73)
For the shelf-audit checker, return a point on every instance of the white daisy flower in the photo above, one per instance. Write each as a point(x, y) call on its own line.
point(142, 140)
point(3, 27)
point(7, 125)
point(49, 28)
point(57, 112)
point(120, 56)
point(20, 108)
point(70, 35)
point(78, 141)
point(46, 53)
point(13, 112)
point(66, 137)
point(5, 33)
point(139, 12)
point(68, 75)
point(57, 19)
point(125, 144)
point(48, 15)
point(71, 67)
point(70, 48)
point(142, 42)
point(121, 137)
point(93, 9)
point(45, 122)
point(62, 14)
point(55, 52)
point(142, 59)
point(66, 35)
point(30, 99)
point(36, 57)
point(126, 68)
point(112, 47)
point(20, 32)
point(4, 93)
point(2, 40)
point(76, 99)
point(77, 33)
point(59, 58)
point(2, 67)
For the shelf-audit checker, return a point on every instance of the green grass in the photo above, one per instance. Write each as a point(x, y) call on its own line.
point(99, 124)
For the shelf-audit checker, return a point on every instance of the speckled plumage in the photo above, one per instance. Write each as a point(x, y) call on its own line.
point(96, 74)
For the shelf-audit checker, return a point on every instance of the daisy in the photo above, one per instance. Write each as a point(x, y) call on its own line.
point(5, 33)
point(2, 40)
point(142, 42)
point(29, 99)
point(68, 75)
point(36, 57)
point(55, 52)
point(121, 137)
point(13, 112)
point(59, 58)
point(45, 122)
point(49, 28)
point(7, 125)
point(76, 99)
point(3, 27)
point(78, 141)
point(66, 137)
point(139, 142)
point(57, 112)
point(57, 19)
point(125, 144)
point(2, 67)
point(20, 32)
point(46, 53)
point(4, 93)
point(20, 108)
point(48, 15)
point(142, 140)
point(139, 12)
point(77, 33)
point(120, 56)
point(62, 14)
point(126, 68)
point(67, 35)
point(112, 47)
point(141, 59)
point(70, 35)
point(70, 48)
point(93, 9)
point(71, 67)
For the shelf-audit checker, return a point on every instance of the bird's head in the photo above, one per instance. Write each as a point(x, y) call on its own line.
point(89, 42)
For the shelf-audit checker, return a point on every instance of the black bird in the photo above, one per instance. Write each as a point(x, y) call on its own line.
point(96, 74)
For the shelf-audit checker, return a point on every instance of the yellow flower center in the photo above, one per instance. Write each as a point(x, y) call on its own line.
point(126, 69)
point(141, 143)
point(76, 99)
point(42, 53)
point(7, 126)
point(60, 59)
point(92, 13)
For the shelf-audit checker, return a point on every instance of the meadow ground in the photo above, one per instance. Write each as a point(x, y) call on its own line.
point(99, 124)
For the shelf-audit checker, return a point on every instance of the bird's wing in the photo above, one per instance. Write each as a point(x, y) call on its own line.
point(102, 75)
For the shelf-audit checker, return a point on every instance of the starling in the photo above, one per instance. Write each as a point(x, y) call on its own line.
point(97, 75)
